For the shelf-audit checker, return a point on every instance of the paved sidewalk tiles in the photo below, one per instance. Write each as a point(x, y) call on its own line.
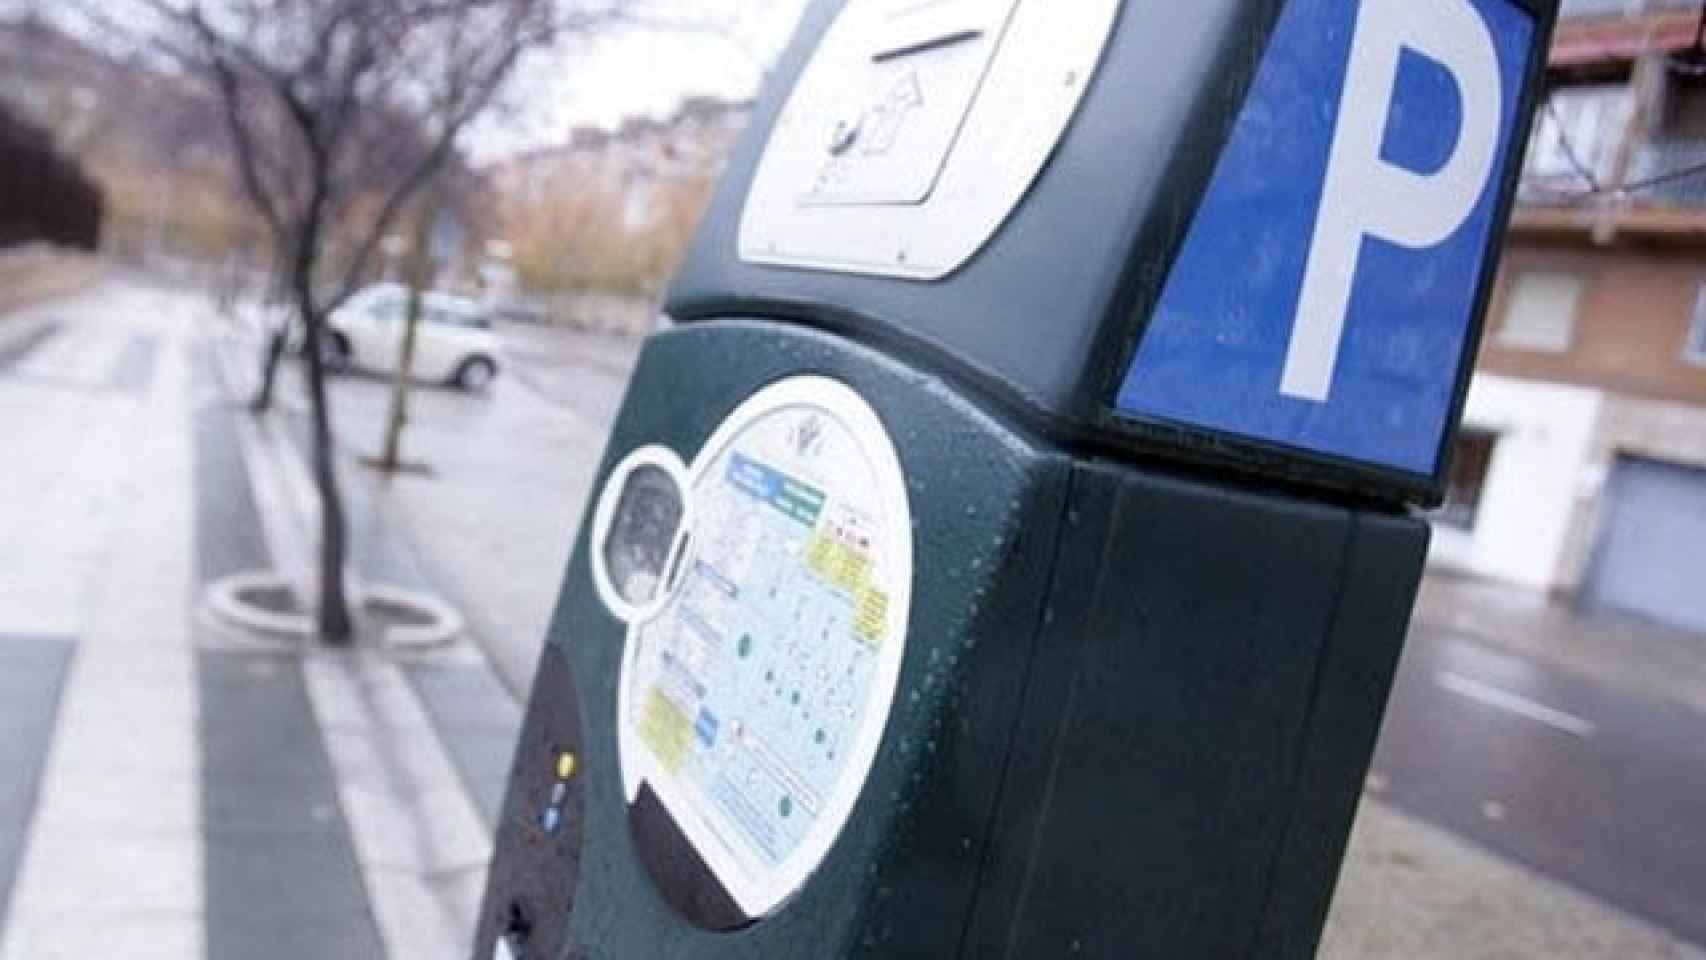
point(32, 675)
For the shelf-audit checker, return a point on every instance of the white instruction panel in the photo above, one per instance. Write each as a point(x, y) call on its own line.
point(894, 128)
point(916, 129)
point(754, 702)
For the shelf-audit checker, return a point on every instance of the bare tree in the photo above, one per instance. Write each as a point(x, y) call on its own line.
point(448, 91)
point(419, 273)
point(312, 93)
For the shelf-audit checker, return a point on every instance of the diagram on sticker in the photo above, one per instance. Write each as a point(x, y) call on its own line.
point(753, 702)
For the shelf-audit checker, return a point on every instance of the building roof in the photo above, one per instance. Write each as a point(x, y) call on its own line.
point(1621, 7)
point(633, 129)
point(1612, 8)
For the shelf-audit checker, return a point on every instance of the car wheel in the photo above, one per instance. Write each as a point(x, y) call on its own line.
point(475, 374)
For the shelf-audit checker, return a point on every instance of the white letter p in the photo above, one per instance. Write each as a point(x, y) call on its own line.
point(1364, 196)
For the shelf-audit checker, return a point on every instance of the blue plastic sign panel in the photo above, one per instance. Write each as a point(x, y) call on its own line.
point(1325, 295)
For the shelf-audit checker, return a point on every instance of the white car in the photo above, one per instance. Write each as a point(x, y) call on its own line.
point(454, 342)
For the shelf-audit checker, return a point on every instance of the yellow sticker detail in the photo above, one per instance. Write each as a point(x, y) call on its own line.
point(838, 564)
point(820, 555)
point(566, 764)
point(853, 571)
point(870, 620)
point(665, 729)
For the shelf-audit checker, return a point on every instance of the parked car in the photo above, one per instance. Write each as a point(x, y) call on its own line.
point(454, 342)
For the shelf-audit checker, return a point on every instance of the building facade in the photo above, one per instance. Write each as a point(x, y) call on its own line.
point(1582, 466)
point(613, 210)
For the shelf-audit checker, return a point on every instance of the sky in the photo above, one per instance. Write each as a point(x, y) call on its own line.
point(688, 48)
point(641, 70)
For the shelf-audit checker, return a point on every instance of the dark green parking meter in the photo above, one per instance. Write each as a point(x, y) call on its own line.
point(1008, 552)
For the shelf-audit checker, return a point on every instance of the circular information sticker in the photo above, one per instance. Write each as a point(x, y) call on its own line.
point(754, 700)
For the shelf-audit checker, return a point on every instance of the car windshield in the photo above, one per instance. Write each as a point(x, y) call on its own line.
point(457, 318)
point(392, 305)
point(386, 307)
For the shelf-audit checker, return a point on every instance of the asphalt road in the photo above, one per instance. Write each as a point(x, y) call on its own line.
point(1589, 784)
point(1585, 782)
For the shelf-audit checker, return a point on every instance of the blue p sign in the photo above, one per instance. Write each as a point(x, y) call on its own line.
point(1324, 294)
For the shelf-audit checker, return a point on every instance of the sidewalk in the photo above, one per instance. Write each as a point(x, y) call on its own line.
point(97, 496)
point(1411, 891)
point(177, 789)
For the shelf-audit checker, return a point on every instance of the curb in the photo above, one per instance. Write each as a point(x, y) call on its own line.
point(289, 507)
point(229, 601)
point(444, 624)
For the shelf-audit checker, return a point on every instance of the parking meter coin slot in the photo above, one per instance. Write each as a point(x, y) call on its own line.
point(926, 45)
point(911, 78)
point(910, 27)
point(915, 130)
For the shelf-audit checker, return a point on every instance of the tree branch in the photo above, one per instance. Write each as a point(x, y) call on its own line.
point(381, 224)
point(243, 143)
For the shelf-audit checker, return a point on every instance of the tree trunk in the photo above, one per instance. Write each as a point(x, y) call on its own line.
point(278, 287)
point(336, 628)
point(420, 271)
point(270, 357)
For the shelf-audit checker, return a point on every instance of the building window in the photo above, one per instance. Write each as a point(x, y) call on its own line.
point(1575, 131)
point(637, 207)
point(1540, 313)
point(1470, 461)
point(1694, 350)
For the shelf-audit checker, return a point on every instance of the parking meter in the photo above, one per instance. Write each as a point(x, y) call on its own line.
point(1008, 551)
